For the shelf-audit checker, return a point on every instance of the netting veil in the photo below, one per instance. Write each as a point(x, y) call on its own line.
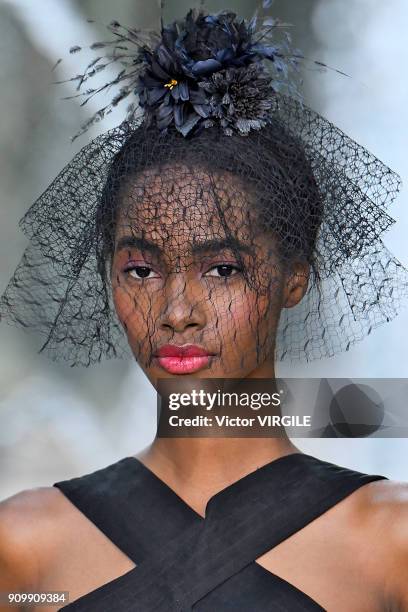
point(186, 222)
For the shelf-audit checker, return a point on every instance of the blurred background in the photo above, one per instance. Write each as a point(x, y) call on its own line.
point(58, 422)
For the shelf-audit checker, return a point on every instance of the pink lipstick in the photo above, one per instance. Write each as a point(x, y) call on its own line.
point(183, 359)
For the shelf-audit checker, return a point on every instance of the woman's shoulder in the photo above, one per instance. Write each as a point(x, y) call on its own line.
point(27, 534)
point(384, 503)
point(36, 522)
point(380, 510)
point(47, 544)
point(27, 512)
point(381, 507)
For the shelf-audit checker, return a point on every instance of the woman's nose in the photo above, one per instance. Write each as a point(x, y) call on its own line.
point(184, 304)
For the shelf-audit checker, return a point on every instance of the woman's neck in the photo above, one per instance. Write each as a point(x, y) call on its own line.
point(197, 468)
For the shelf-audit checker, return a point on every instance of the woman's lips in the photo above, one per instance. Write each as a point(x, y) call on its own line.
point(183, 359)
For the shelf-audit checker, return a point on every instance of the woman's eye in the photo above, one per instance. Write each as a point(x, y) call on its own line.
point(141, 272)
point(223, 271)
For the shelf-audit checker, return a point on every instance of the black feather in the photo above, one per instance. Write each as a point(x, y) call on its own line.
point(330, 68)
point(57, 63)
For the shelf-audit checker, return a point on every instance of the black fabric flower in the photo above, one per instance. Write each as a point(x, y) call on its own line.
point(239, 99)
point(212, 42)
point(164, 91)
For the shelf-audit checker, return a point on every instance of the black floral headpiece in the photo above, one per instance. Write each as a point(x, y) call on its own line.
point(199, 71)
point(209, 69)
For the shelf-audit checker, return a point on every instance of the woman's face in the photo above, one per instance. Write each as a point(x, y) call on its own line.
point(188, 301)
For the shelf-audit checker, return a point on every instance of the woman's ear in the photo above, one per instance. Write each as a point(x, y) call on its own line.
point(296, 283)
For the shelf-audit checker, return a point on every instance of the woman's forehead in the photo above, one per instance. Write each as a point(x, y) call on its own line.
point(186, 202)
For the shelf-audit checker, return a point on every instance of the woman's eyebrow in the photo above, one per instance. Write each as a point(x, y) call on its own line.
point(134, 242)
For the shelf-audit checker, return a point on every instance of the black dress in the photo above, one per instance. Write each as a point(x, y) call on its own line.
point(187, 562)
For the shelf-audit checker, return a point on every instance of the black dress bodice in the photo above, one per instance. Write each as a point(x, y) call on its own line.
point(187, 562)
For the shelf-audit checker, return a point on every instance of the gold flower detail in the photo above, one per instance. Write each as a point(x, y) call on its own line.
point(171, 84)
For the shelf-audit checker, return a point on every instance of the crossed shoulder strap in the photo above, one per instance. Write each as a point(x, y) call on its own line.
point(182, 558)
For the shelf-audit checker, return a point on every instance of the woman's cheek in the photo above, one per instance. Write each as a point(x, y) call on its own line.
point(124, 304)
point(134, 313)
point(250, 318)
point(241, 320)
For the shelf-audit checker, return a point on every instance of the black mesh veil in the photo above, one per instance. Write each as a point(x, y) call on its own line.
point(148, 237)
